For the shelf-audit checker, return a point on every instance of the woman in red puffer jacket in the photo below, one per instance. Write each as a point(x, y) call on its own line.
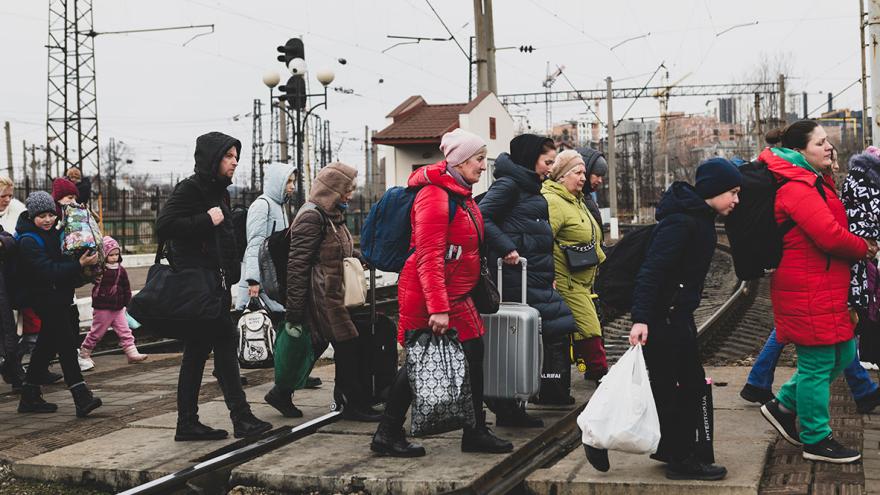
point(809, 289)
point(435, 284)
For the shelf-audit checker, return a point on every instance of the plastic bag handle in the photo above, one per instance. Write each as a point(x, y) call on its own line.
point(525, 263)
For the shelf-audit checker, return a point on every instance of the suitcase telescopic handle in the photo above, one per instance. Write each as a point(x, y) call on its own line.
point(525, 264)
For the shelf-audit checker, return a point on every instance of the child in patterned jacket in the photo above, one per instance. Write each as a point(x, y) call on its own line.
point(110, 295)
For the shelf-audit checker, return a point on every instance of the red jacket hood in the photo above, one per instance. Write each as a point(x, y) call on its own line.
point(784, 169)
point(437, 175)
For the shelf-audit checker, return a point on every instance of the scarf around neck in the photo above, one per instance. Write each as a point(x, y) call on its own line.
point(794, 158)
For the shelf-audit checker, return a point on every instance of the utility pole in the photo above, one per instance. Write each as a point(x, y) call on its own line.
point(485, 34)
point(782, 117)
point(282, 130)
point(10, 168)
point(758, 134)
point(865, 136)
point(874, 31)
point(368, 167)
point(612, 162)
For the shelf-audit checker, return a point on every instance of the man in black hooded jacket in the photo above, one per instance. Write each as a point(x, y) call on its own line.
point(197, 226)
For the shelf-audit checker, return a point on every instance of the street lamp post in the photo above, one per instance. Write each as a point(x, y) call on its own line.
point(271, 79)
point(294, 95)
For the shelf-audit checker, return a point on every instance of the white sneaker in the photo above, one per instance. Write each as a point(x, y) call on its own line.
point(85, 364)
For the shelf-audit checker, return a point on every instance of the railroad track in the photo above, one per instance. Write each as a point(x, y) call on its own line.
point(733, 322)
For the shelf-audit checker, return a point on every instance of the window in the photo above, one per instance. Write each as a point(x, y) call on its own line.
point(491, 127)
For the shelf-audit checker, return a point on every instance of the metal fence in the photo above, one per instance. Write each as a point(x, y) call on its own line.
point(129, 215)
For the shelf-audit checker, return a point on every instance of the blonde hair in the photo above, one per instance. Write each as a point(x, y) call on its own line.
point(5, 182)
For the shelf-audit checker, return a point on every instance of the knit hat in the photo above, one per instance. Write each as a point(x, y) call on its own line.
point(459, 145)
point(39, 202)
point(109, 245)
point(63, 187)
point(594, 161)
point(715, 176)
point(565, 162)
point(526, 148)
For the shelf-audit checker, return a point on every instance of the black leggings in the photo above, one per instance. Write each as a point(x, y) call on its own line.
point(400, 397)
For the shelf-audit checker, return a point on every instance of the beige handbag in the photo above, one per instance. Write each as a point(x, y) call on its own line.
point(354, 283)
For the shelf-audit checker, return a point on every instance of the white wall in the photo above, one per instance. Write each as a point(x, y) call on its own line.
point(400, 160)
point(477, 121)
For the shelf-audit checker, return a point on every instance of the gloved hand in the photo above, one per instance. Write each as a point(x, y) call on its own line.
point(293, 317)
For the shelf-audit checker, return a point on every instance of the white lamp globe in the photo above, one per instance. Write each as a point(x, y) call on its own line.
point(271, 78)
point(325, 76)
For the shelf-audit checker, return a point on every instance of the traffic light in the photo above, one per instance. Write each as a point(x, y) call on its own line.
point(522, 48)
point(291, 50)
point(293, 55)
point(294, 92)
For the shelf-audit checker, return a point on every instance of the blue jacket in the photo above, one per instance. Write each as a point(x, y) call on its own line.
point(265, 216)
point(516, 218)
point(678, 256)
point(46, 276)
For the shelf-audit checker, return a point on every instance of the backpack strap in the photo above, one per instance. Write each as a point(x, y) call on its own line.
point(32, 235)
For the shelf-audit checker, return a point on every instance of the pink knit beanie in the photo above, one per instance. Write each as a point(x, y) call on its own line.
point(459, 145)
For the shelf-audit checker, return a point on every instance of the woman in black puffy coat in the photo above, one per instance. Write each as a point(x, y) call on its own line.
point(518, 225)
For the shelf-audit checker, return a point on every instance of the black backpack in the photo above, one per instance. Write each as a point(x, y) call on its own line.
point(239, 226)
point(755, 238)
point(617, 275)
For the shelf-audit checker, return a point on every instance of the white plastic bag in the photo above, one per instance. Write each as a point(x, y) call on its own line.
point(621, 415)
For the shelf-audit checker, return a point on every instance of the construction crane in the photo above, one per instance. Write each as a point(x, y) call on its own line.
point(548, 85)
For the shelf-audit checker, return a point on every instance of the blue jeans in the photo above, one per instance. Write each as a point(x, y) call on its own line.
point(761, 376)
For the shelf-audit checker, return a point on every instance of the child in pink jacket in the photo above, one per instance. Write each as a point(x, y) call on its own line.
point(110, 295)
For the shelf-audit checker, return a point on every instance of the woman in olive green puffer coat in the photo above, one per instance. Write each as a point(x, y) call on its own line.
point(573, 224)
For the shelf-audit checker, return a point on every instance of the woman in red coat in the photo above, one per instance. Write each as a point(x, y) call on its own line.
point(435, 283)
point(809, 289)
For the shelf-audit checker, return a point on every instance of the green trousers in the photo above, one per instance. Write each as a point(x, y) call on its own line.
point(809, 389)
point(294, 356)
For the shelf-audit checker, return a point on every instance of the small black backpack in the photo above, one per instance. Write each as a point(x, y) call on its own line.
point(239, 226)
point(616, 279)
point(755, 238)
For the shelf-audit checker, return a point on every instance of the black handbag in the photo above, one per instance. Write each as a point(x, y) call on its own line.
point(579, 257)
point(173, 294)
point(485, 294)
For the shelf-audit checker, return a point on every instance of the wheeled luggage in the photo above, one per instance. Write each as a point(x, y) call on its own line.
point(377, 336)
point(513, 348)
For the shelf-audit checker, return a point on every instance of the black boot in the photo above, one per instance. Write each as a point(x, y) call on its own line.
point(481, 439)
point(32, 401)
point(390, 440)
point(598, 458)
point(190, 429)
point(247, 425)
point(517, 416)
point(84, 400)
point(313, 382)
point(280, 399)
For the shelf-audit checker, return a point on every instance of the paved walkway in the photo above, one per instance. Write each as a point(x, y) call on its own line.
point(129, 440)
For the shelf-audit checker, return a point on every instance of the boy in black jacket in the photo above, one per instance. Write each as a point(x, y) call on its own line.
point(48, 282)
point(668, 289)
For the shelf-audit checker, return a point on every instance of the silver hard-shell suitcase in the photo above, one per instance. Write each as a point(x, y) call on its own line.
point(513, 348)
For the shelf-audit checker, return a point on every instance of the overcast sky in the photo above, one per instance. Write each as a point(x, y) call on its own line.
point(157, 95)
